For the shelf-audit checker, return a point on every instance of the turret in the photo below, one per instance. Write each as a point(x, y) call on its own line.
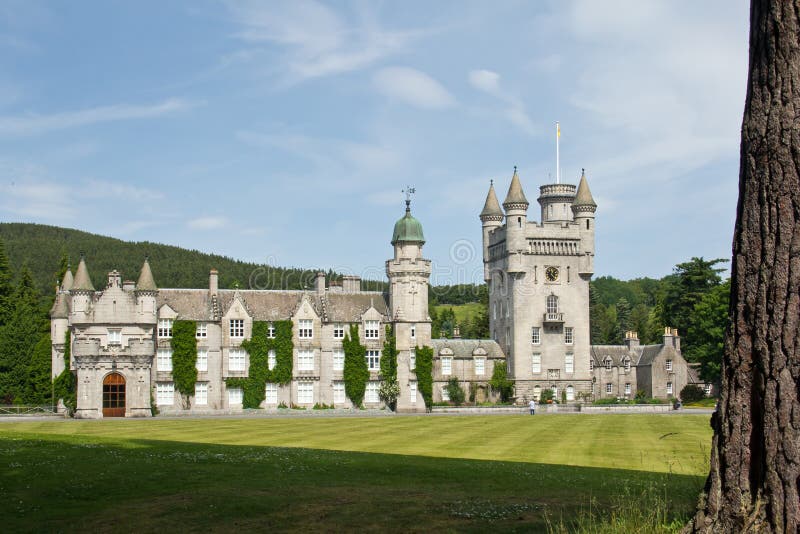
point(491, 219)
point(59, 323)
point(583, 209)
point(556, 201)
point(146, 293)
point(516, 206)
point(408, 272)
point(82, 290)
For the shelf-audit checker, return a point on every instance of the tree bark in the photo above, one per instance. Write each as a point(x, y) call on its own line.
point(754, 480)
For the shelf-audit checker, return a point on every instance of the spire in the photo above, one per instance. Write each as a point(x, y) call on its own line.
point(146, 281)
point(515, 194)
point(68, 281)
point(82, 281)
point(59, 309)
point(584, 197)
point(491, 209)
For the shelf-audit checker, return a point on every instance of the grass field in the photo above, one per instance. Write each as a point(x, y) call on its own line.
point(462, 311)
point(466, 473)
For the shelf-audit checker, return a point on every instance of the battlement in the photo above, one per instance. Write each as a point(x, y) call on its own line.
point(87, 347)
point(556, 190)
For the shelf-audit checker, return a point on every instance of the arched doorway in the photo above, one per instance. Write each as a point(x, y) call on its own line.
point(114, 395)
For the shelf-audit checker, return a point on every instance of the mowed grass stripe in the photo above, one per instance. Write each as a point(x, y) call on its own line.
point(656, 443)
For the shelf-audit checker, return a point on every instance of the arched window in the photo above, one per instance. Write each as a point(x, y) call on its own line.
point(570, 393)
point(552, 304)
point(537, 391)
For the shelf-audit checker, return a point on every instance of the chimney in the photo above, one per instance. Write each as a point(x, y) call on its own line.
point(335, 286)
point(351, 284)
point(456, 332)
point(631, 339)
point(676, 339)
point(213, 282)
point(320, 282)
point(128, 285)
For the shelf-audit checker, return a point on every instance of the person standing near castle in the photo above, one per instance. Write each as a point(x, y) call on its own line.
point(532, 406)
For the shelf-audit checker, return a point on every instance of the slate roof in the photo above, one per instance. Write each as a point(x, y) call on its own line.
point(515, 194)
point(464, 348)
point(190, 304)
point(584, 196)
point(348, 307)
point(66, 284)
point(146, 281)
point(492, 207)
point(60, 310)
point(616, 352)
point(649, 353)
point(82, 280)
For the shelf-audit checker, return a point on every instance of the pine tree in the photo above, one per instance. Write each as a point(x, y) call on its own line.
point(39, 387)
point(623, 320)
point(6, 287)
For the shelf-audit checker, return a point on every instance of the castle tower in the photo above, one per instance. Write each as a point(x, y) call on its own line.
point(516, 206)
point(408, 274)
point(59, 324)
point(491, 218)
point(583, 208)
point(146, 293)
point(81, 292)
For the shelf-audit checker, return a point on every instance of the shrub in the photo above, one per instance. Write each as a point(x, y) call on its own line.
point(563, 396)
point(501, 384)
point(424, 372)
point(546, 395)
point(455, 391)
point(692, 393)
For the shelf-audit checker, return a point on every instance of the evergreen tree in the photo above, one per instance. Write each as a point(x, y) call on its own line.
point(709, 321)
point(39, 388)
point(6, 287)
point(63, 265)
point(623, 323)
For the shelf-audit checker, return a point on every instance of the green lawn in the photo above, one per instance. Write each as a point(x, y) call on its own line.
point(384, 473)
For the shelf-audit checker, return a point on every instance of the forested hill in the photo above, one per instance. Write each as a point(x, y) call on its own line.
point(42, 247)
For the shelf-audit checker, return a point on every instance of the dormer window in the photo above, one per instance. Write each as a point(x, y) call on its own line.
point(305, 329)
point(165, 328)
point(607, 363)
point(371, 329)
point(237, 327)
point(627, 363)
point(338, 331)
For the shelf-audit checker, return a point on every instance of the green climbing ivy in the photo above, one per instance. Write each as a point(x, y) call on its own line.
point(389, 389)
point(64, 384)
point(355, 372)
point(259, 373)
point(184, 357)
point(424, 372)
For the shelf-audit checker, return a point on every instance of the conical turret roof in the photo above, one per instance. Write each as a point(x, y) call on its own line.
point(59, 309)
point(146, 281)
point(583, 197)
point(82, 281)
point(68, 281)
point(515, 194)
point(492, 207)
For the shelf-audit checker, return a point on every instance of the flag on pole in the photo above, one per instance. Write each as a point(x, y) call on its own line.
point(558, 130)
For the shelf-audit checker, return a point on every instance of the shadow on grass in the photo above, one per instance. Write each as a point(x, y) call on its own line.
point(70, 483)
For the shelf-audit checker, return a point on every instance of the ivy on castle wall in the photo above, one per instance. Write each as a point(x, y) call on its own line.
point(259, 373)
point(64, 385)
point(424, 372)
point(355, 372)
point(184, 357)
point(389, 389)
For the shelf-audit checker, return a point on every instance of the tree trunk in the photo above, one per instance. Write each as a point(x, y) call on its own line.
point(754, 480)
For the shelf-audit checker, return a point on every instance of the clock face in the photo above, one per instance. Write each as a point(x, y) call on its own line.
point(551, 274)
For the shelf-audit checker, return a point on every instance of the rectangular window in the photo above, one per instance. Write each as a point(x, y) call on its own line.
point(707, 389)
point(508, 335)
point(237, 327)
point(535, 337)
point(413, 331)
point(627, 364)
point(480, 366)
point(608, 363)
point(568, 335)
point(272, 360)
point(668, 365)
point(165, 393)
point(338, 331)
point(609, 388)
point(374, 360)
point(569, 363)
point(305, 360)
point(271, 393)
point(627, 389)
point(201, 331)
point(165, 328)
point(305, 392)
point(536, 363)
point(305, 329)
point(371, 329)
point(447, 365)
point(412, 391)
point(164, 360)
point(591, 364)
point(270, 331)
point(236, 359)
point(669, 389)
point(338, 393)
point(235, 396)
point(412, 359)
point(338, 359)
point(371, 394)
point(200, 393)
point(445, 394)
point(114, 336)
point(202, 360)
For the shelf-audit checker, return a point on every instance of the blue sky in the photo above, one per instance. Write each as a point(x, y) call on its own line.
point(283, 132)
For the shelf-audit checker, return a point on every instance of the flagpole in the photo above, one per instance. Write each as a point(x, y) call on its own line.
point(558, 159)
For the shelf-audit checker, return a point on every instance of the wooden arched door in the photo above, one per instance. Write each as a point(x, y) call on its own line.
point(114, 395)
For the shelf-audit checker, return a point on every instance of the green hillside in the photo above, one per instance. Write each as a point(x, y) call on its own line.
point(41, 248)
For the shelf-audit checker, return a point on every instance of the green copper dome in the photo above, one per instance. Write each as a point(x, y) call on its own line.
point(408, 229)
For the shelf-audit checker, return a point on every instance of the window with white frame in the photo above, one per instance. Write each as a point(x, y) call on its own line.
point(371, 329)
point(338, 331)
point(669, 388)
point(537, 392)
point(201, 364)
point(707, 389)
point(338, 359)
point(607, 363)
point(609, 388)
point(371, 393)
point(480, 366)
point(272, 359)
point(165, 328)
point(412, 359)
point(570, 393)
point(114, 336)
point(569, 363)
point(536, 363)
point(236, 359)
point(201, 331)
point(200, 393)
point(305, 392)
point(627, 364)
point(552, 304)
point(536, 337)
point(568, 339)
point(165, 393)
point(445, 394)
point(235, 396)
point(270, 331)
point(668, 365)
point(413, 331)
point(305, 329)
point(271, 393)
point(338, 392)
point(627, 389)
point(305, 360)
point(374, 360)
point(236, 327)
point(447, 365)
point(164, 360)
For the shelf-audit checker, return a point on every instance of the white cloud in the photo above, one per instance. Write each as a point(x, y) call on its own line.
point(485, 80)
point(413, 87)
point(207, 223)
point(106, 189)
point(514, 111)
point(39, 124)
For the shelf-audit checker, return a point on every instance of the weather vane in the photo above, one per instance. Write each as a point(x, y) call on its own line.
point(409, 191)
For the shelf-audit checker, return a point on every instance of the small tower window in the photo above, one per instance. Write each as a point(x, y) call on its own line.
point(587, 224)
point(519, 222)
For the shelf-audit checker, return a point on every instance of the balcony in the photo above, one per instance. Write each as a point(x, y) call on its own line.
point(553, 318)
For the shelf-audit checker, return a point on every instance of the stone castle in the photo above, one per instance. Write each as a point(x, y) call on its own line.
point(538, 276)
